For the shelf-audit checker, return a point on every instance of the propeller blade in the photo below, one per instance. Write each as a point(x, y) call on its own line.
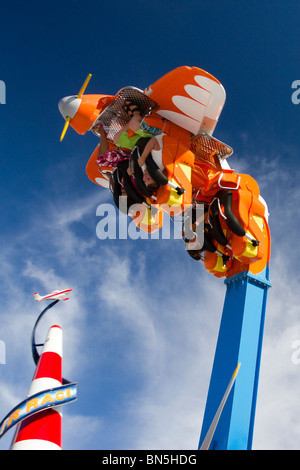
point(85, 84)
point(210, 433)
point(68, 120)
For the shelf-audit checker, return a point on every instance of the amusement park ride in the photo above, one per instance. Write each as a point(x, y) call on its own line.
point(158, 154)
point(178, 115)
point(158, 157)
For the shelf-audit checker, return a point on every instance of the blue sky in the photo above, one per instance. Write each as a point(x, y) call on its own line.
point(141, 326)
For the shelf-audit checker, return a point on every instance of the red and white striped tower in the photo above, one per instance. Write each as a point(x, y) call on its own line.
point(43, 430)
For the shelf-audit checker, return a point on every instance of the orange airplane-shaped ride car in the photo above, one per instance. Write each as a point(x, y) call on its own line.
point(188, 165)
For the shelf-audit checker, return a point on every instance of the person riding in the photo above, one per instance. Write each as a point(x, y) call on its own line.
point(125, 140)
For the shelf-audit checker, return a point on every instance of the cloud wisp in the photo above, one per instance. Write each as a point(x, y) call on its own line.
point(141, 328)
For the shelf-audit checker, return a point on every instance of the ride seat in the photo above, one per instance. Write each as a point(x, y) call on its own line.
point(238, 219)
point(178, 161)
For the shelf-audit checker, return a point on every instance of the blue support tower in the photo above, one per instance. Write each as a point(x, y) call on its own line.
point(239, 341)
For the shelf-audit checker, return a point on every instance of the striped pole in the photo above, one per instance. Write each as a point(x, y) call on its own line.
point(43, 430)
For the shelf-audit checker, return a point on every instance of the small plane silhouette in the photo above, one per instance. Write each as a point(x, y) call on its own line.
point(55, 295)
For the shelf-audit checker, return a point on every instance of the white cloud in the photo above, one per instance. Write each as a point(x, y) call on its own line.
point(173, 347)
point(277, 411)
point(141, 327)
point(79, 431)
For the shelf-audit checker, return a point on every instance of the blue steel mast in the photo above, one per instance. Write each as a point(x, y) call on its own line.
point(239, 341)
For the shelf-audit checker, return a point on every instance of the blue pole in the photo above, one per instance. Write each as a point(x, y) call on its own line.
point(240, 340)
